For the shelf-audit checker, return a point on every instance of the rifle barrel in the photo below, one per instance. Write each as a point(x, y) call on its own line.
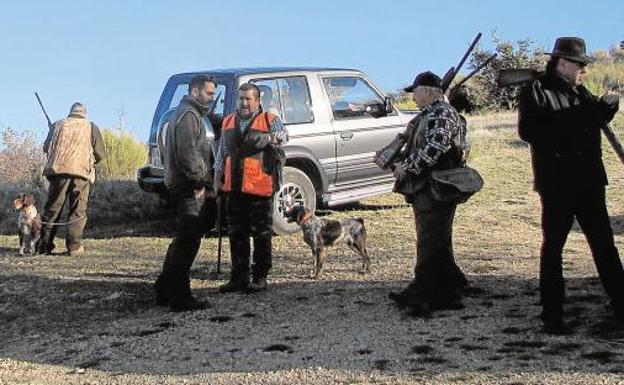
point(43, 109)
point(448, 78)
point(479, 68)
point(472, 45)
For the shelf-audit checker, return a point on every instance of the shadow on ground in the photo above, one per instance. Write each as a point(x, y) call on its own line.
point(107, 322)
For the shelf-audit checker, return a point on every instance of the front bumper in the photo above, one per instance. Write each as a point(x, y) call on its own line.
point(151, 179)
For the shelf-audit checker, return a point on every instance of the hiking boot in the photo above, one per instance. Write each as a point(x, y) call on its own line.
point(162, 294)
point(189, 303)
point(258, 284)
point(234, 287)
point(455, 304)
point(79, 251)
point(618, 310)
point(555, 326)
point(43, 248)
point(404, 298)
point(401, 298)
point(419, 309)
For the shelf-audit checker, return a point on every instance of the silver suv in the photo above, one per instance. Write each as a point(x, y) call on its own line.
point(336, 118)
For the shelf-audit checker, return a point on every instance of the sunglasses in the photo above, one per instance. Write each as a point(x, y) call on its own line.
point(578, 63)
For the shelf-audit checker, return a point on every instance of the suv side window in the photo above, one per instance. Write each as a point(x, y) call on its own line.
point(288, 97)
point(349, 96)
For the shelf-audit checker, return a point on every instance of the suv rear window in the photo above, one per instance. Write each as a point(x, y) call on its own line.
point(287, 97)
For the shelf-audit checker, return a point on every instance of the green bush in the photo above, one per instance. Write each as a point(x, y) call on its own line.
point(405, 103)
point(604, 75)
point(124, 155)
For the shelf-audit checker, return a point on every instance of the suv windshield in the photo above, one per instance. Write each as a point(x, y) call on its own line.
point(182, 89)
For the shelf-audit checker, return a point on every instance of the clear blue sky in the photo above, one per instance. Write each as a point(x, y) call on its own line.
point(114, 55)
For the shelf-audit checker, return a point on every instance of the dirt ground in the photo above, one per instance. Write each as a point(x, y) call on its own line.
point(91, 319)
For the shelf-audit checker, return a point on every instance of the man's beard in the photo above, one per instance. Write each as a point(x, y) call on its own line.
point(250, 114)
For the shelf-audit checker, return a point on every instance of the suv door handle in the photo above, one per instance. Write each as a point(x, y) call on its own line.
point(346, 135)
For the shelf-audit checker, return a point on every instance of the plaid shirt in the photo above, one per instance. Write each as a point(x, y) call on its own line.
point(443, 126)
point(279, 136)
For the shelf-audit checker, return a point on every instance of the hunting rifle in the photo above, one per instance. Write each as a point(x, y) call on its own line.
point(515, 77)
point(385, 157)
point(44, 111)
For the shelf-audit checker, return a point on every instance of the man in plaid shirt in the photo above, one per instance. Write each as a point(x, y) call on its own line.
point(437, 142)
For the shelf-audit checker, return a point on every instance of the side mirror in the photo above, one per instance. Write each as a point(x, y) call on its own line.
point(376, 110)
point(389, 101)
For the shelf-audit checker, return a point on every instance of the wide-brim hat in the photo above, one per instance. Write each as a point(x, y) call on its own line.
point(571, 48)
point(426, 78)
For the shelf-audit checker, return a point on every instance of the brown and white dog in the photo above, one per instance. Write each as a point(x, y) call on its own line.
point(320, 233)
point(28, 222)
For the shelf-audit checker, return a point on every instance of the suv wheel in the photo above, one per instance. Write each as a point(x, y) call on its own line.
point(297, 189)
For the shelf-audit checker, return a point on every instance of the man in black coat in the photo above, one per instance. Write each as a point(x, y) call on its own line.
point(562, 120)
point(188, 162)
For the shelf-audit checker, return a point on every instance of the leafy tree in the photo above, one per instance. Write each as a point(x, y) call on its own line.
point(484, 91)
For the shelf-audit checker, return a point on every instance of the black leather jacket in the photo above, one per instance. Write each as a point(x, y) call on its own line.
point(188, 156)
point(562, 123)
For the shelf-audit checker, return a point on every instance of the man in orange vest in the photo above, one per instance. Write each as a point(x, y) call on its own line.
point(248, 172)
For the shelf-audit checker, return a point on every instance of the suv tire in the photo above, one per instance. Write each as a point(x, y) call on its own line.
point(297, 189)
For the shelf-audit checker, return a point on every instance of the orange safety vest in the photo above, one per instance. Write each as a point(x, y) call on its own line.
point(242, 173)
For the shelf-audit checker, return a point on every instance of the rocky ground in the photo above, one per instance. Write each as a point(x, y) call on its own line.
point(91, 319)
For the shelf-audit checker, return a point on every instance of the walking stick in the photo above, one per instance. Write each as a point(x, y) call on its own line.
point(216, 274)
point(219, 233)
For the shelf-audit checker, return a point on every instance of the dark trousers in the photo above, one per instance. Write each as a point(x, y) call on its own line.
point(194, 218)
point(250, 216)
point(64, 189)
point(558, 213)
point(437, 278)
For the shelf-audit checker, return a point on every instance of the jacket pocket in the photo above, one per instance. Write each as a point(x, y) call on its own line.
point(255, 180)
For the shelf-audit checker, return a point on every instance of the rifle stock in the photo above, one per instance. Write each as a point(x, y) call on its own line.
point(516, 76)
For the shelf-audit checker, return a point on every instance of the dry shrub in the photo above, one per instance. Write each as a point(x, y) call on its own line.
point(122, 202)
point(21, 157)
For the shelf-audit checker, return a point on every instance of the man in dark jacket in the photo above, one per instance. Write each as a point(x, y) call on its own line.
point(74, 146)
point(188, 177)
point(561, 120)
point(437, 142)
